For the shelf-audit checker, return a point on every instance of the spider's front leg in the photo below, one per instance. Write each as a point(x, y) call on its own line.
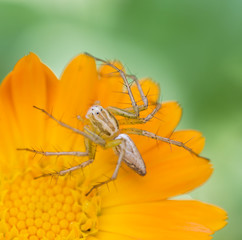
point(124, 76)
point(87, 133)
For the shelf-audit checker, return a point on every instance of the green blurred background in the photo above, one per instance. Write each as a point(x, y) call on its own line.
point(193, 48)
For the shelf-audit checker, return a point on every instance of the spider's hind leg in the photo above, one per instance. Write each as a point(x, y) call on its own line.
point(145, 133)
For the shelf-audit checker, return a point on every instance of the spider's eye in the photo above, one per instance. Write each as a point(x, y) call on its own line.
point(101, 109)
point(97, 112)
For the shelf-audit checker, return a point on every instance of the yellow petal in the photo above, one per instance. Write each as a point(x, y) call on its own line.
point(110, 86)
point(150, 89)
point(164, 220)
point(78, 88)
point(163, 124)
point(76, 93)
point(30, 83)
point(170, 171)
point(109, 235)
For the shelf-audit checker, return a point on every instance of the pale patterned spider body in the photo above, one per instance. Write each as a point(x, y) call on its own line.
point(101, 127)
point(106, 125)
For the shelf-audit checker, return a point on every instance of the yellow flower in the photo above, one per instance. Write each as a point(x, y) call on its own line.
point(134, 207)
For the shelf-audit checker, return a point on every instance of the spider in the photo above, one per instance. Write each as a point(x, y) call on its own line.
point(102, 128)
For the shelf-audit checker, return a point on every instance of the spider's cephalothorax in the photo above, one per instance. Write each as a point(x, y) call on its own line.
point(102, 128)
point(102, 121)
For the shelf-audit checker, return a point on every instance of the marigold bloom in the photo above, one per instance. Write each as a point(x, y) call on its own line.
point(134, 207)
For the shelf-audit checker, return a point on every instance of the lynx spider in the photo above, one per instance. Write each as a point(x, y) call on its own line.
point(103, 130)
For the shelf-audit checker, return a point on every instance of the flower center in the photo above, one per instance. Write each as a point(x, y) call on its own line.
point(38, 209)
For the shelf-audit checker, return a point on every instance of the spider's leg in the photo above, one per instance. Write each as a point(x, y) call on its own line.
point(68, 170)
point(141, 92)
point(159, 138)
point(121, 112)
point(129, 121)
point(130, 118)
point(90, 135)
point(126, 83)
point(74, 153)
point(152, 114)
point(90, 151)
point(114, 176)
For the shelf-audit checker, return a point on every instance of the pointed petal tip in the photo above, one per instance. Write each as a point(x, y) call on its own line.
point(31, 56)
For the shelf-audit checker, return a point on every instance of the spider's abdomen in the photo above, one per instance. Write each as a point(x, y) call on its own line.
point(132, 155)
point(102, 121)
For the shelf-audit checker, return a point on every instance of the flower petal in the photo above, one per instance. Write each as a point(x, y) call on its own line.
point(169, 220)
point(150, 89)
point(78, 88)
point(8, 126)
point(30, 83)
point(77, 92)
point(163, 124)
point(108, 235)
point(110, 86)
point(169, 173)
